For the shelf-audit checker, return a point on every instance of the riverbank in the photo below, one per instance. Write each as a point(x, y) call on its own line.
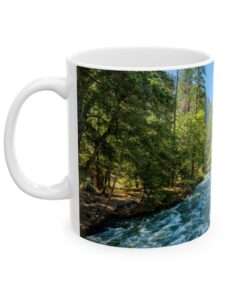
point(97, 212)
point(181, 223)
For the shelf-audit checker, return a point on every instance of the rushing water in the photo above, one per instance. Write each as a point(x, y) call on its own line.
point(179, 224)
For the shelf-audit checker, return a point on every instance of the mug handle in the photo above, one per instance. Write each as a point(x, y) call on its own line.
point(56, 191)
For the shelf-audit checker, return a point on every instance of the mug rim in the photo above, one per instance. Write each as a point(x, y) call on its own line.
point(108, 58)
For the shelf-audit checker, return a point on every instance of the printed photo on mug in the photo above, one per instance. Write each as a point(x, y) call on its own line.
point(144, 144)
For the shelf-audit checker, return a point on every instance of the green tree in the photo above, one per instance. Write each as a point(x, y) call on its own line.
point(145, 129)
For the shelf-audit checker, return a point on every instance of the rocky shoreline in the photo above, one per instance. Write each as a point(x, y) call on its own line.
point(181, 223)
point(98, 212)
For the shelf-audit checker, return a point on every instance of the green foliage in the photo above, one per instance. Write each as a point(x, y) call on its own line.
point(146, 129)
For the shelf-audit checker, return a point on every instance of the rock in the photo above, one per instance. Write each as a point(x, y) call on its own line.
point(89, 188)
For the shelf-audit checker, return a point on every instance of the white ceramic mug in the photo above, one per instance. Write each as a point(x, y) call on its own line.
point(139, 144)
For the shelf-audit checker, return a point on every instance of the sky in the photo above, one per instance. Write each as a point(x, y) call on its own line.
point(209, 79)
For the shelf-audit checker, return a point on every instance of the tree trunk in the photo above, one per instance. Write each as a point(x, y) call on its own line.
point(192, 165)
point(99, 143)
point(98, 176)
point(107, 202)
point(175, 104)
point(173, 173)
point(197, 93)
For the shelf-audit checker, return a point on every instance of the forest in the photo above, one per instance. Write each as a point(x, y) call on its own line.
point(144, 141)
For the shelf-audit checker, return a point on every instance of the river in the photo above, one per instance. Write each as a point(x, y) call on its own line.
point(179, 224)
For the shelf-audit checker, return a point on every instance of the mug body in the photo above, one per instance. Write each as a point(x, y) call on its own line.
point(140, 126)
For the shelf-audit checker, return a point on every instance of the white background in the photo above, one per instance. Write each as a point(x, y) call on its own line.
point(39, 254)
